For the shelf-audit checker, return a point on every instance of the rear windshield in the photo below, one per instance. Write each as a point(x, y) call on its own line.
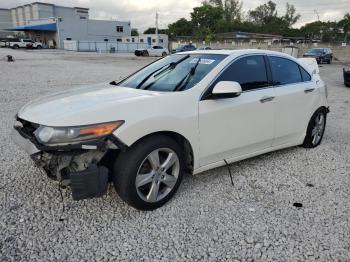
point(316, 51)
point(174, 73)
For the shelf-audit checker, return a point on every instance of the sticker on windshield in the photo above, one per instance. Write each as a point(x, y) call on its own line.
point(204, 61)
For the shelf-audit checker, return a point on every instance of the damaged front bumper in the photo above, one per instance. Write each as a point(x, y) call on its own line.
point(81, 166)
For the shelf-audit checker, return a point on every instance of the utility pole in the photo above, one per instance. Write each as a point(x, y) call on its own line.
point(318, 16)
point(157, 28)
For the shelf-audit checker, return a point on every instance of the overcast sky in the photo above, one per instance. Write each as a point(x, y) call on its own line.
point(141, 13)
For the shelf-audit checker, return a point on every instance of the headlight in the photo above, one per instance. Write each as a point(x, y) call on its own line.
point(58, 135)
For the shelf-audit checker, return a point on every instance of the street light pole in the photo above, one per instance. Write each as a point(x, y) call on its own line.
point(318, 16)
point(157, 28)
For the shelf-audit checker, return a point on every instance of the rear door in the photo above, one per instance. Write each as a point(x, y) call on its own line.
point(233, 127)
point(295, 100)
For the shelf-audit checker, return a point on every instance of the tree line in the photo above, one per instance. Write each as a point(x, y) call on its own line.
point(220, 16)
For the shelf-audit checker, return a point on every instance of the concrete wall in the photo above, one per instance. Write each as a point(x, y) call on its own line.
point(340, 53)
point(102, 46)
point(94, 30)
point(65, 12)
point(44, 11)
point(5, 19)
point(143, 39)
point(20, 15)
point(28, 13)
point(14, 17)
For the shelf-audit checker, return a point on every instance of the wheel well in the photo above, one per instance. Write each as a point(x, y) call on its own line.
point(182, 141)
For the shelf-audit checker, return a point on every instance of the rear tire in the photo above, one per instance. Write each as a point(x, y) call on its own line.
point(145, 53)
point(149, 173)
point(163, 54)
point(315, 129)
point(39, 47)
point(15, 47)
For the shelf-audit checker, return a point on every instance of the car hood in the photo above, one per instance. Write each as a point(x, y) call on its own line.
point(84, 106)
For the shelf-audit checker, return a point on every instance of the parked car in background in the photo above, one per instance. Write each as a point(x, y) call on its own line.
point(205, 48)
point(153, 51)
point(24, 43)
point(2, 43)
point(184, 48)
point(346, 74)
point(185, 113)
point(322, 55)
point(36, 45)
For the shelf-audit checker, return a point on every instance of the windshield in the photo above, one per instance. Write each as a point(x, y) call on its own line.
point(316, 51)
point(173, 73)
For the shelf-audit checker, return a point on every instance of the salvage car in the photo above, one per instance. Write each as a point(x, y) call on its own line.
point(185, 113)
point(346, 75)
point(322, 55)
point(153, 51)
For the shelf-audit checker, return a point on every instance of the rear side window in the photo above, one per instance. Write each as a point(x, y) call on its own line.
point(305, 75)
point(284, 71)
point(249, 71)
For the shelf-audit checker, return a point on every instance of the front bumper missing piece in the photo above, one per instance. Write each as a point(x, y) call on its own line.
point(76, 165)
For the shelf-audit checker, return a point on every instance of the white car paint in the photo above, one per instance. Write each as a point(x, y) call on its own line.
point(22, 43)
point(157, 51)
point(224, 129)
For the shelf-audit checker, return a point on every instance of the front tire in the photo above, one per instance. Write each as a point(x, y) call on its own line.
point(145, 53)
point(149, 173)
point(315, 129)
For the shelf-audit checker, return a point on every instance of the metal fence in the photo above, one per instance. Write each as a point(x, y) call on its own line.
point(102, 46)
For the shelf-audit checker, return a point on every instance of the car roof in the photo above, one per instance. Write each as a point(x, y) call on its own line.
point(237, 52)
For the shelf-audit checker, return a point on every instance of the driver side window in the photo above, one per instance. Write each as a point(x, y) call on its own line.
point(249, 71)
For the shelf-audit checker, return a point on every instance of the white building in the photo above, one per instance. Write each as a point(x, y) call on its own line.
point(149, 39)
point(5, 22)
point(52, 24)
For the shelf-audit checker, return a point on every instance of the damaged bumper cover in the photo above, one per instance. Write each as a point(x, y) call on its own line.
point(78, 165)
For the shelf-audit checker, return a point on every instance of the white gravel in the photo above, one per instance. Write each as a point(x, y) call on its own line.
point(208, 219)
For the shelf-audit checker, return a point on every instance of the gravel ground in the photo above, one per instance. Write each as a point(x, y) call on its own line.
point(208, 219)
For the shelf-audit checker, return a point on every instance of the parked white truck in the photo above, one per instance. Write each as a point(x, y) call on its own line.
point(24, 43)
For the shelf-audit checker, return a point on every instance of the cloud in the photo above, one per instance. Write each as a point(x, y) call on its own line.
point(141, 13)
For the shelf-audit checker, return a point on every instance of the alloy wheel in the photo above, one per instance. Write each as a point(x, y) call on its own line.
point(157, 175)
point(318, 129)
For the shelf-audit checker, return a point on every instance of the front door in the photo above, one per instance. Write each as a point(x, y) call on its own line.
point(233, 127)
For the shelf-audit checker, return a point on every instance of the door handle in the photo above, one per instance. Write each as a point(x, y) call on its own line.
point(267, 99)
point(309, 90)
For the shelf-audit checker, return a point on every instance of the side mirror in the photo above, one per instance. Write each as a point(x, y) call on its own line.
point(226, 89)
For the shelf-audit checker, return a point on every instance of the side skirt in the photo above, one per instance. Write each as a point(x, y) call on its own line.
point(239, 158)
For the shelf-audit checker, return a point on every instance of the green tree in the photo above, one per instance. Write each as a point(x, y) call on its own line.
point(263, 14)
point(232, 9)
point(325, 31)
point(134, 32)
point(291, 17)
point(344, 24)
point(152, 30)
point(181, 27)
point(205, 19)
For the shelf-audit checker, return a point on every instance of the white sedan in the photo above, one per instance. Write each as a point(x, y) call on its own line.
point(153, 51)
point(185, 113)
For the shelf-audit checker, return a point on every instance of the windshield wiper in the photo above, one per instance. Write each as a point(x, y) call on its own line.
point(187, 77)
point(161, 70)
